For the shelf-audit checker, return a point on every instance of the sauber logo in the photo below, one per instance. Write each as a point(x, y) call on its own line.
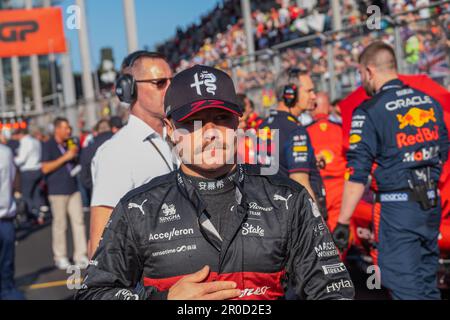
point(17, 31)
point(416, 117)
point(423, 135)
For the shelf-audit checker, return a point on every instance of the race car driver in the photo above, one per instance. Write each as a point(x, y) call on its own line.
point(400, 131)
point(295, 93)
point(214, 229)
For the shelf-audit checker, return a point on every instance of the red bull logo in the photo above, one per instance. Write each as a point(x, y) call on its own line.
point(423, 135)
point(416, 117)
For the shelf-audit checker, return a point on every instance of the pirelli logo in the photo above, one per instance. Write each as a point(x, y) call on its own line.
point(334, 268)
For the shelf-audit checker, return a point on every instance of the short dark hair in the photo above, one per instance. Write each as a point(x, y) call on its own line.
point(116, 122)
point(336, 101)
point(100, 122)
point(241, 97)
point(57, 122)
point(288, 76)
point(371, 55)
point(130, 59)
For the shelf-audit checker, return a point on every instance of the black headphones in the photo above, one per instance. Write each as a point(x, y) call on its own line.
point(290, 91)
point(126, 89)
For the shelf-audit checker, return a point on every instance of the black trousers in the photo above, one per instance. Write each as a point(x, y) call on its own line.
point(31, 193)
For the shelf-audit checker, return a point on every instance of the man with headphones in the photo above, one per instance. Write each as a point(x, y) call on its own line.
point(295, 93)
point(139, 151)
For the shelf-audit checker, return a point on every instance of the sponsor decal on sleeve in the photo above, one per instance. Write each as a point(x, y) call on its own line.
point(334, 268)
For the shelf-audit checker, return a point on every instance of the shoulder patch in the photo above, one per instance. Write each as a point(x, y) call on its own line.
point(169, 178)
point(281, 180)
point(252, 169)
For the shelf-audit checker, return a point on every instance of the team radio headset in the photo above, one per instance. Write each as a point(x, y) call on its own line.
point(290, 91)
point(126, 88)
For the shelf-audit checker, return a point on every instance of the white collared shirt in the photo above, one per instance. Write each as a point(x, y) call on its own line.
point(29, 154)
point(127, 161)
point(7, 174)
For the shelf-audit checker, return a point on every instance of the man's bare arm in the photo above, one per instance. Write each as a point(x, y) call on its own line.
point(303, 179)
point(353, 192)
point(99, 218)
point(50, 166)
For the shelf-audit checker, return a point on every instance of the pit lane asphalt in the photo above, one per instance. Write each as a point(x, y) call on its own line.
point(38, 278)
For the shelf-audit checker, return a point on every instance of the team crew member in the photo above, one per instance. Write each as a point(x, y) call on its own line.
point(326, 139)
point(214, 229)
point(139, 151)
point(295, 92)
point(401, 132)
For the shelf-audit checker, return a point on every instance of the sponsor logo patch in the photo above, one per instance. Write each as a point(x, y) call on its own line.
point(337, 286)
point(394, 197)
point(354, 138)
point(326, 249)
point(169, 213)
point(260, 291)
point(416, 117)
point(422, 135)
point(174, 233)
point(334, 268)
point(248, 229)
point(407, 102)
point(183, 248)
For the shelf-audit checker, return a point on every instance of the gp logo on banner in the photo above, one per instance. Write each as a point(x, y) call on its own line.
point(29, 32)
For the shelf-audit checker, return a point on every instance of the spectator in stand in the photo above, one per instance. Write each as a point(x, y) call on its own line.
point(65, 198)
point(28, 160)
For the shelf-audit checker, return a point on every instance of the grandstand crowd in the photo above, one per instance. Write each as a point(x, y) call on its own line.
point(220, 37)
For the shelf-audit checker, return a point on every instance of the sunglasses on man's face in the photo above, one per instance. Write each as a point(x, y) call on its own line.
point(160, 83)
